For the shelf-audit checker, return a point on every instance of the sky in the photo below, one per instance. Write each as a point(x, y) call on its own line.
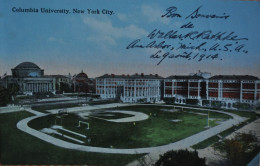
point(63, 43)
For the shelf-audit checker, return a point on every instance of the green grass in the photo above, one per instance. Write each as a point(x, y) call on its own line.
point(223, 134)
point(18, 147)
point(156, 130)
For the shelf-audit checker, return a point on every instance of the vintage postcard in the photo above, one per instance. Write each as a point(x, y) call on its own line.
point(129, 82)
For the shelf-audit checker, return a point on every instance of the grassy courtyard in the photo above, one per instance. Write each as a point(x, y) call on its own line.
point(18, 147)
point(158, 129)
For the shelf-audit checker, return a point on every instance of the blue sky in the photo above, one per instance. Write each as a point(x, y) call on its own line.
point(96, 44)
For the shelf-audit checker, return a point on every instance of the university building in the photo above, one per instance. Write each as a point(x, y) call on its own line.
point(234, 88)
point(30, 79)
point(184, 87)
point(226, 89)
point(129, 88)
point(83, 84)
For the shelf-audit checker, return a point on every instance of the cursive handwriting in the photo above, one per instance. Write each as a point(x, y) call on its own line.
point(153, 44)
point(196, 14)
point(171, 12)
point(185, 55)
point(187, 43)
point(206, 35)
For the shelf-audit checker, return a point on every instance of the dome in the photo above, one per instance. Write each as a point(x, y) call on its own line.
point(82, 75)
point(27, 69)
point(27, 65)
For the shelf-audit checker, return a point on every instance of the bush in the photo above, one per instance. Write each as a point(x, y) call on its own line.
point(181, 158)
point(244, 106)
point(5, 96)
point(241, 149)
point(205, 102)
point(216, 104)
point(192, 101)
point(169, 100)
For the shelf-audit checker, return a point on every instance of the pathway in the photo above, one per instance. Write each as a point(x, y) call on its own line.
point(182, 144)
point(10, 109)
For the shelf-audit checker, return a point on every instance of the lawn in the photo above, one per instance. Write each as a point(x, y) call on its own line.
point(157, 130)
point(18, 147)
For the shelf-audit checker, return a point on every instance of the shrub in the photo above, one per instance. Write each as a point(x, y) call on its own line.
point(205, 102)
point(240, 149)
point(192, 101)
point(216, 104)
point(181, 158)
point(169, 100)
point(241, 105)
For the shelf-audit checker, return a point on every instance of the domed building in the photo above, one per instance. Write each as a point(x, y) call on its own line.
point(27, 69)
point(30, 79)
point(82, 83)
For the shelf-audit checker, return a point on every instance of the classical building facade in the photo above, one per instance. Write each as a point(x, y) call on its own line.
point(227, 89)
point(30, 79)
point(130, 89)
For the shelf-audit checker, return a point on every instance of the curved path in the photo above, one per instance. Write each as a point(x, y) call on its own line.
point(138, 116)
point(182, 144)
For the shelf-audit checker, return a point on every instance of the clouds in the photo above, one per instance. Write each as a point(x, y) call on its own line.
point(106, 31)
point(53, 39)
point(122, 17)
point(153, 14)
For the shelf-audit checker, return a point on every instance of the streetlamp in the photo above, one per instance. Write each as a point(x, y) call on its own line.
point(208, 120)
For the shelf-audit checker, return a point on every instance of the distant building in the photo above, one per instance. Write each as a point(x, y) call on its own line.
point(185, 87)
point(227, 89)
point(62, 82)
point(30, 79)
point(234, 88)
point(130, 89)
point(81, 83)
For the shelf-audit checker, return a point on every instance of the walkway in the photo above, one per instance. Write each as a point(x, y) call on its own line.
point(10, 109)
point(89, 107)
point(182, 144)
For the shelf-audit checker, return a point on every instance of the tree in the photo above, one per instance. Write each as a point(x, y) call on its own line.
point(169, 100)
point(181, 158)
point(13, 89)
point(64, 87)
point(5, 96)
point(239, 149)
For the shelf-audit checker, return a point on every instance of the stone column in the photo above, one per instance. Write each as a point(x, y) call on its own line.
point(50, 88)
point(188, 89)
point(173, 82)
point(135, 91)
point(207, 89)
point(241, 91)
point(199, 89)
point(105, 89)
